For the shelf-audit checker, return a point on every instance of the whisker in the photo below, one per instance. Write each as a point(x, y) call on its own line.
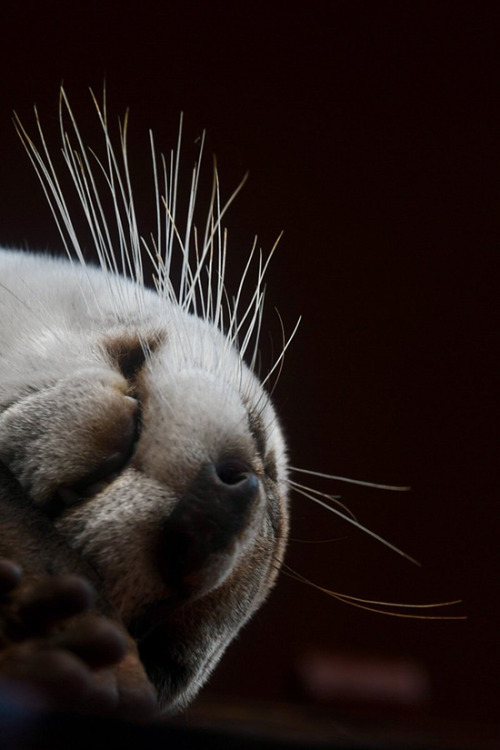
point(334, 499)
point(355, 601)
point(348, 480)
point(358, 525)
point(282, 359)
point(276, 364)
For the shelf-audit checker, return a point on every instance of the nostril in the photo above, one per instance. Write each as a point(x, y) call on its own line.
point(233, 472)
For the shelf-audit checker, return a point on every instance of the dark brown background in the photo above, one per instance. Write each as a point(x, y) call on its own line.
point(371, 134)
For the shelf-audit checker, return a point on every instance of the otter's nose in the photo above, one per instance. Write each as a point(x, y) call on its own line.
point(199, 537)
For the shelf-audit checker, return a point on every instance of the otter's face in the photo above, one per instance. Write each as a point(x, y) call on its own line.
point(158, 457)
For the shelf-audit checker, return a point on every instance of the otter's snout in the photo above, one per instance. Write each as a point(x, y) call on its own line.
point(200, 539)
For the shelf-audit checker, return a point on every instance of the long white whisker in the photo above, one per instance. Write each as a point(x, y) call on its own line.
point(276, 364)
point(298, 487)
point(320, 475)
point(357, 525)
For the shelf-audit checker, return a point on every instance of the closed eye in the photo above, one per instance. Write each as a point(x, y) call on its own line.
point(257, 431)
point(129, 352)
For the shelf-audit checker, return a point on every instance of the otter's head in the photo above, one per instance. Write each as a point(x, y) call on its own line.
point(130, 417)
point(157, 455)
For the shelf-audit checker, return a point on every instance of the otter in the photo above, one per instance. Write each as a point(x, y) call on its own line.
point(139, 450)
point(144, 475)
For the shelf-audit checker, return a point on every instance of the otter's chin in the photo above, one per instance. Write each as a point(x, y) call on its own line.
point(176, 659)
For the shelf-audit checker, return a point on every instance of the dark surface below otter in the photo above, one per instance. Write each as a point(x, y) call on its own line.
point(247, 729)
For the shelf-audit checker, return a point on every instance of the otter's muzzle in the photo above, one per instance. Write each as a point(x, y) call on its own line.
point(202, 538)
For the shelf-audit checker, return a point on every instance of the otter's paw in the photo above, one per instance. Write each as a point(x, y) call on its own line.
point(63, 655)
